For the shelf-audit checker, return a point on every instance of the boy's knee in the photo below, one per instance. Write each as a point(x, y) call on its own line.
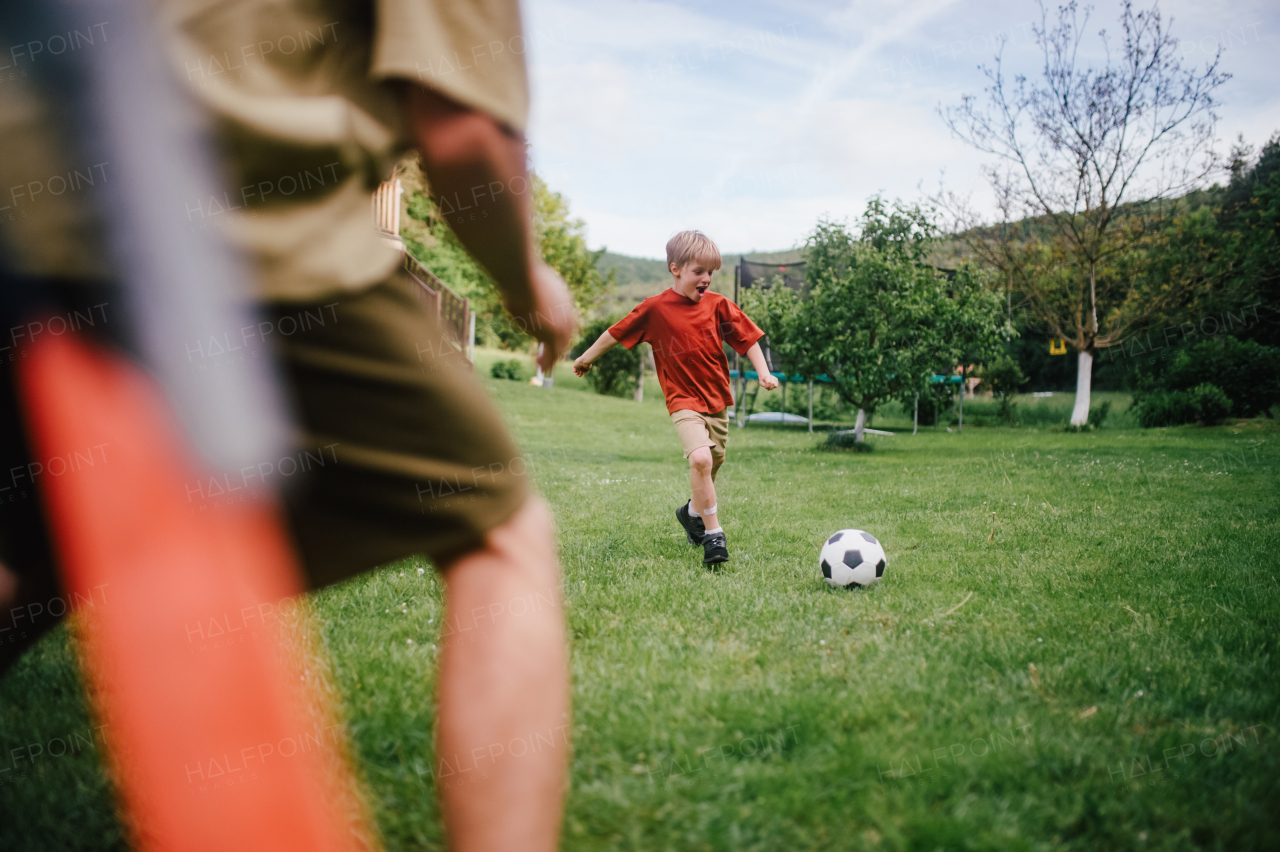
point(700, 459)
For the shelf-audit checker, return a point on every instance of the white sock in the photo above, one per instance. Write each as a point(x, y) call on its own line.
point(694, 512)
point(716, 530)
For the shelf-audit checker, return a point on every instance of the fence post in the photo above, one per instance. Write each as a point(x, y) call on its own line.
point(638, 396)
point(811, 406)
point(471, 338)
point(915, 418)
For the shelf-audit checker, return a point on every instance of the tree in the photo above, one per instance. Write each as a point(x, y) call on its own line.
point(1080, 148)
point(1013, 248)
point(1247, 372)
point(1251, 214)
point(616, 372)
point(562, 242)
point(878, 319)
point(1002, 377)
point(774, 308)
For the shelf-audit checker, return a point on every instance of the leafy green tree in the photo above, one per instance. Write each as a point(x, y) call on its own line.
point(878, 319)
point(617, 371)
point(1246, 371)
point(562, 241)
point(774, 308)
point(1251, 214)
point(1215, 265)
point(1002, 377)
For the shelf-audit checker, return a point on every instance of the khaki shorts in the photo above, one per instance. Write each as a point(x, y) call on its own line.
point(418, 460)
point(702, 430)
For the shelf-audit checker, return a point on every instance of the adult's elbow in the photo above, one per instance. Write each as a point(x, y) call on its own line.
point(449, 134)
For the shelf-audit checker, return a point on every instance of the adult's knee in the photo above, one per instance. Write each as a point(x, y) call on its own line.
point(700, 460)
point(528, 538)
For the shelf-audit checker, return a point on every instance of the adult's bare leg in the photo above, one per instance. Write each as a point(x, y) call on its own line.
point(504, 691)
point(25, 613)
point(8, 587)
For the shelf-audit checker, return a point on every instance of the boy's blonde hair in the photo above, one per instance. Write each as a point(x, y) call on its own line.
point(692, 245)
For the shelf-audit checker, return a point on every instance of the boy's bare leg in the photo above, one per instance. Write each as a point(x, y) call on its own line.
point(702, 483)
point(504, 691)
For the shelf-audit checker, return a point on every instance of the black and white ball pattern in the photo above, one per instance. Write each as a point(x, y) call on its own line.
point(852, 558)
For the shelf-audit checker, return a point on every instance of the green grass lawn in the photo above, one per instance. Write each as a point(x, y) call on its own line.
point(1073, 646)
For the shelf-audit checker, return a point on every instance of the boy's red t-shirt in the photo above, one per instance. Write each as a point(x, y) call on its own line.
point(688, 340)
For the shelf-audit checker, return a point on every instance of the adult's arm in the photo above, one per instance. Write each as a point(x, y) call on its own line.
point(473, 161)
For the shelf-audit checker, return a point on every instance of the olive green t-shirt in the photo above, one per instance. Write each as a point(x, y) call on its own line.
point(306, 124)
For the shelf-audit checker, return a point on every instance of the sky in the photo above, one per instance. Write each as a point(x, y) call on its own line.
point(751, 120)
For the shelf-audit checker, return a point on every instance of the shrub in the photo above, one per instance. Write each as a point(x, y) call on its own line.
point(616, 371)
point(1099, 413)
point(845, 441)
point(1163, 408)
point(1244, 371)
point(510, 369)
point(1003, 377)
point(1205, 403)
point(1210, 402)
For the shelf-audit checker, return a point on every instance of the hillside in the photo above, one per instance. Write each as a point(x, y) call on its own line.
point(952, 249)
point(642, 277)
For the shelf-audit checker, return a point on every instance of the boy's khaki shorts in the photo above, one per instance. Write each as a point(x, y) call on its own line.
point(697, 429)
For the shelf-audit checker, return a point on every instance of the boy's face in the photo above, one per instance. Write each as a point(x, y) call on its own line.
point(692, 279)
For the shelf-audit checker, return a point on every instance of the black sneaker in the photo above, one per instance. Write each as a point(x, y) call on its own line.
point(714, 549)
point(693, 527)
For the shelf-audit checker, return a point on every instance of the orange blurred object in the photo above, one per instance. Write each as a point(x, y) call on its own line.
point(210, 722)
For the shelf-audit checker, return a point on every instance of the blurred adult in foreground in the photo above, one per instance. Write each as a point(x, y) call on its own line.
point(311, 104)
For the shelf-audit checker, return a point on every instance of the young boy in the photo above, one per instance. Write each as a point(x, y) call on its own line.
point(688, 327)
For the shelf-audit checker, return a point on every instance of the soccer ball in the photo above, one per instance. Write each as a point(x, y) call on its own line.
point(852, 558)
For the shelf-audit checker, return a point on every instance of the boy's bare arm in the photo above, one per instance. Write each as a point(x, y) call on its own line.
point(756, 356)
point(603, 344)
point(465, 154)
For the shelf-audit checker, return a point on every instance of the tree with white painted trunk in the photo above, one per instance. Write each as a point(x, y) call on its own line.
point(1098, 157)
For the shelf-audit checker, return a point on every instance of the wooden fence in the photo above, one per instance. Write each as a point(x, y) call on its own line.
point(453, 311)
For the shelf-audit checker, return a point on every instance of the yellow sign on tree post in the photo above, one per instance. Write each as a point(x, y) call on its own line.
point(1057, 346)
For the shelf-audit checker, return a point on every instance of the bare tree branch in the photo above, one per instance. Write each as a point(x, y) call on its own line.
point(1096, 154)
